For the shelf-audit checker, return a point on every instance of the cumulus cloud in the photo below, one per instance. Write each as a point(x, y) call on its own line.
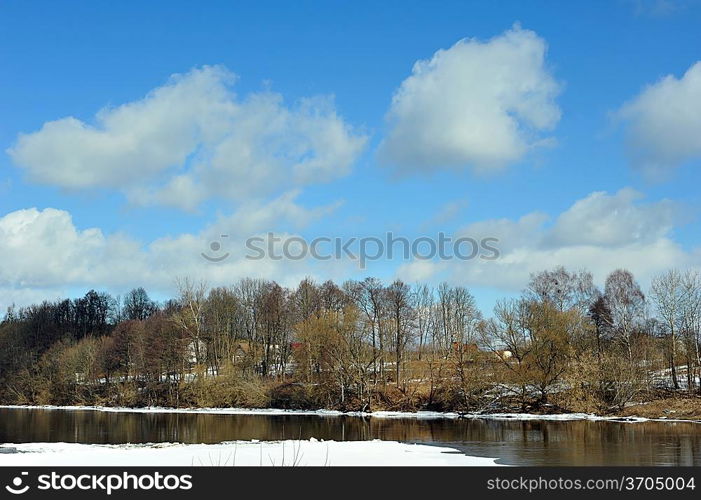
point(600, 232)
point(44, 249)
point(613, 220)
point(193, 139)
point(45, 254)
point(479, 105)
point(663, 123)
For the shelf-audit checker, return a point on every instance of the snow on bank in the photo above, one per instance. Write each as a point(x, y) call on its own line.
point(239, 453)
point(420, 415)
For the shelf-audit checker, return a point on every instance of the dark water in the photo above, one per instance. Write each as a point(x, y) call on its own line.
point(513, 442)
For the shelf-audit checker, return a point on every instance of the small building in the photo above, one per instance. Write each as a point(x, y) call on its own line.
point(504, 354)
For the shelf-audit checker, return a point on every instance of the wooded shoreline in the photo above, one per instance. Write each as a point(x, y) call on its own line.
point(563, 346)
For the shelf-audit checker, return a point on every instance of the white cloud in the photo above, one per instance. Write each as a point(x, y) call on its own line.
point(420, 271)
point(255, 216)
point(45, 255)
point(477, 104)
point(613, 220)
point(664, 123)
point(43, 248)
point(193, 139)
point(601, 233)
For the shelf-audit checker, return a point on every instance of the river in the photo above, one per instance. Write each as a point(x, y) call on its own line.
point(515, 442)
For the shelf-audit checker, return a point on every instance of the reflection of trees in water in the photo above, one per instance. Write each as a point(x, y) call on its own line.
point(520, 442)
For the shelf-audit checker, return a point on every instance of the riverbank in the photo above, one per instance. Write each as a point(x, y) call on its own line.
point(681, 408)
point(239, 453)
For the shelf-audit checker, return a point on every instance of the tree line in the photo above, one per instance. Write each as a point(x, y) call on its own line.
point(562, 345)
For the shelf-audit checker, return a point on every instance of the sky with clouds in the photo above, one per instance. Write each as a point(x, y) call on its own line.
point(135, 135)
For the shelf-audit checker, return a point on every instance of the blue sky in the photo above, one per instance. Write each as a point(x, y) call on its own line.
point(606, 158)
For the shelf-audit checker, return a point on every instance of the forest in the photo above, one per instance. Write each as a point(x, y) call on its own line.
point(563, 345)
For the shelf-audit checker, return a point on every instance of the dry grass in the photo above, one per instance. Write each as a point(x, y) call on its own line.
point(682, 407)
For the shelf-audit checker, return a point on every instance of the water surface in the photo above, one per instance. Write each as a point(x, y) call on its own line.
point(529, 442)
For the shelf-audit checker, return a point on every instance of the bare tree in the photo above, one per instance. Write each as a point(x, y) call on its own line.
point(138, 305)
point(563, 289)
point(677, 298)
point(222, 307)
point(626, 303)
point(692, 326)
point(398, 298)
point(368, 296)
point(423, 300)
point(508, 331)
point(275, 328)
point(190, 317)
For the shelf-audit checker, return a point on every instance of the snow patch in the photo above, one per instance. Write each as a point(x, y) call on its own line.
point(239, 453)
point(419, 415)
